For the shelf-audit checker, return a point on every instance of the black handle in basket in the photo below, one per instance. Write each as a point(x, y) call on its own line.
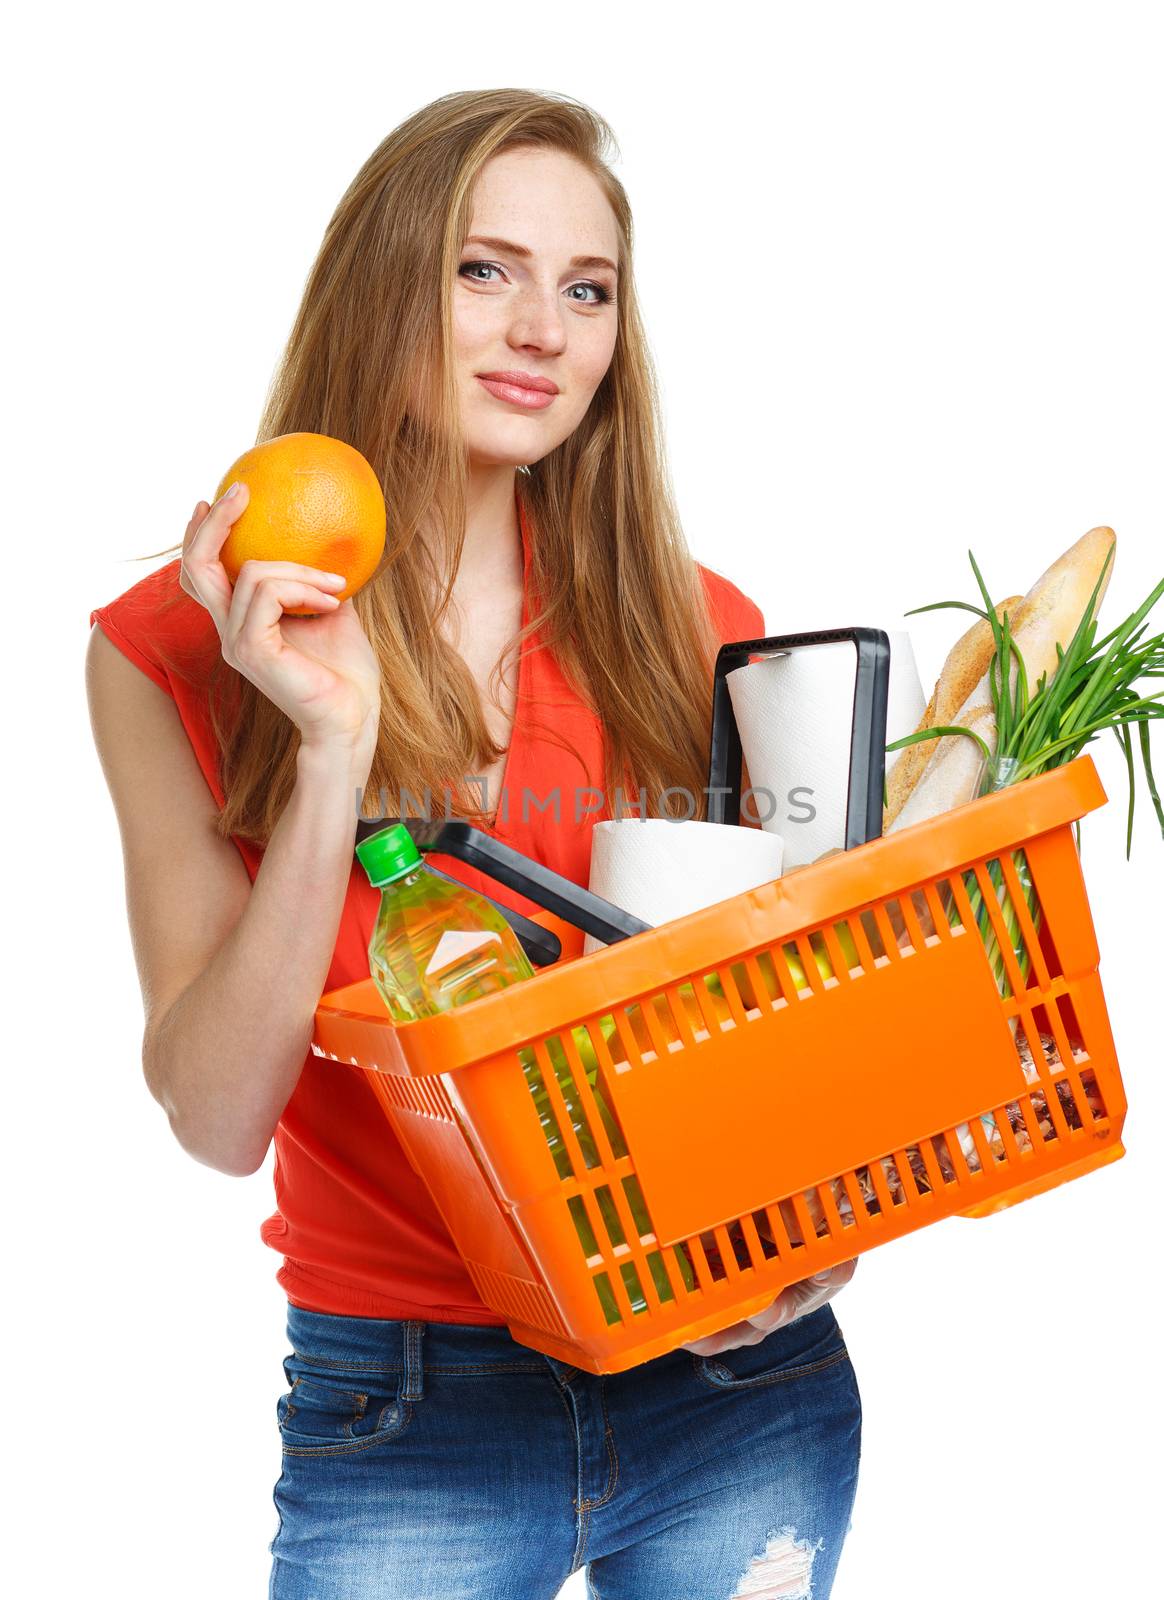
point(547, 888)
point(864, 809)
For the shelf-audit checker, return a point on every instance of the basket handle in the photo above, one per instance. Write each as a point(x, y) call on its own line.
point(864, 809)
point(537, 882)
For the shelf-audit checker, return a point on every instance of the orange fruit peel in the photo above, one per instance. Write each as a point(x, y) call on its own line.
point(313, 500)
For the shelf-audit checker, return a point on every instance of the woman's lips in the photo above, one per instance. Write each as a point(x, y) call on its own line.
point(531, 399)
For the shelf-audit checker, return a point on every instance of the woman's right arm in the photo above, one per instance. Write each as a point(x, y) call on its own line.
point(230, 973)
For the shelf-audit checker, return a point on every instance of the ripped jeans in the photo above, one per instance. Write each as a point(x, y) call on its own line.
point(435, 1460)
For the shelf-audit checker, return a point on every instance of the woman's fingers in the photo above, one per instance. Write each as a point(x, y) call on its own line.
point(798, 1300)
point(251, 573)
point(202, 574)
point(252, 632)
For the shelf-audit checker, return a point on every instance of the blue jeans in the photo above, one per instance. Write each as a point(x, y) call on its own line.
point(434, 1460)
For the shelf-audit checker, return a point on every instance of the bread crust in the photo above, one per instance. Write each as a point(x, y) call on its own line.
point(963, 668)
point(1044, 620)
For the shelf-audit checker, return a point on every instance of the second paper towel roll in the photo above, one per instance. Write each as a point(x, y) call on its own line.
point(659, 870)
point(795, 717)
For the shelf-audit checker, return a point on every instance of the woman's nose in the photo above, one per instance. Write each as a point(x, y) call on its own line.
point(538, 321)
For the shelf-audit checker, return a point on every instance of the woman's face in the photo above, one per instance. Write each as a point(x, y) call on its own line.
point(534, 298)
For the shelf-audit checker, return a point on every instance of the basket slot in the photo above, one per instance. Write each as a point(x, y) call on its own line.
point(765, 984)
point(904, 1167)
point(811, 1225)
point(726, 1243)
point(967, 921)
point(611, 1220)
point(908, 913)
point(596, 1113)
point(536, 1081)
point(560, 1107)
point(1065, 1029)
point(769, 1249)
point(633, 1285)
point(893, 1178)
point(623, 1216)
point(624, 1289)
point(871, 940)
point(584, 1229)
point(829, 1206)
point(737, 1015)
point(1055, 1112)
point(860, 937)
point(891, 950)
point(1010, 981)
point(749, 987)
point(568, 1100)
point(842, 1201)
point(945, 1160)
point(1028, 914)
point(1092, 1096)
point(951, 910)
point(930, 1164)
point(981, 1143)
point(713, 1253)
point(706, 1003)
point(857, 1206)
point(752, 1241)
point(1019, 1132)
point(928, 926)
point(937, 904)
point(825, 960)
point(622, 1228)
point(842, 972)
point(1010, 1150)
point(789, 993)
point(798, 950)
point(607, 1299)
point(1031, 1122)
point(774, 1218)
point(958, 1153)
point(875, 1172)
point(674, 1015)
point(638, 1040)
point(703, 1270)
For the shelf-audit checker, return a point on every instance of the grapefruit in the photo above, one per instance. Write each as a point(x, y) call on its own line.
point(312, 499)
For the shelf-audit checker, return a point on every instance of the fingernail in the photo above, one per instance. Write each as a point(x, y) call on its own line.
point(231, 492)
point(335, 577)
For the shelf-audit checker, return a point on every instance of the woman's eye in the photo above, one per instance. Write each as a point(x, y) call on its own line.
point(469, 269)
point(487, 265)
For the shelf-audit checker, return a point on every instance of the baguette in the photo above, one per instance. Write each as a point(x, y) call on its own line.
point(1047, 618)
point(964, 666)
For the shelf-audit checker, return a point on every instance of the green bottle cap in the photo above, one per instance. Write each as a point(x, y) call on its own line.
point(388, 855)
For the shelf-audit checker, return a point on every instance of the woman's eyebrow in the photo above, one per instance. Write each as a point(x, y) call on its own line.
point(520, 250)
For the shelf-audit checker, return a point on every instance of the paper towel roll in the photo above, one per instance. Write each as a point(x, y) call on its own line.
point(795, 717)
point(658, 870)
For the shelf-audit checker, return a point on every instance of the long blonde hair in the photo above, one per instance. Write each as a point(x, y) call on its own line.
point(622, 606)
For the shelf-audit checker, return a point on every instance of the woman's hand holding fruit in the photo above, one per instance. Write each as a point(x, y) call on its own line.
point(320, 670)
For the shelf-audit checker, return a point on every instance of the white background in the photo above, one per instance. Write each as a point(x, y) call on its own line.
point(901, 266)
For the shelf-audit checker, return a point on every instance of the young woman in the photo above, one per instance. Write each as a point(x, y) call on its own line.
point(471, 326)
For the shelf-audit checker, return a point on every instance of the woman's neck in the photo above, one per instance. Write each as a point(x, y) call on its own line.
point(492, 550)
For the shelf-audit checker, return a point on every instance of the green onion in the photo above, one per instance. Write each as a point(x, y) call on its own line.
point(1095, 686)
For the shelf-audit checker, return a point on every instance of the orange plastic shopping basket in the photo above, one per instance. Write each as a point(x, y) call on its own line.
point(908, 1030)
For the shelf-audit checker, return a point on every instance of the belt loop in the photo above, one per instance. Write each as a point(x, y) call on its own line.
point(413, 1362)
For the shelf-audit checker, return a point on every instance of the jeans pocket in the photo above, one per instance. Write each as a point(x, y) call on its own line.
point(321, 1417)
point(810, 1344)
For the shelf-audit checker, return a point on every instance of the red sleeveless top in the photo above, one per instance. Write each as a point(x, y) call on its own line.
point(356, 1227)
